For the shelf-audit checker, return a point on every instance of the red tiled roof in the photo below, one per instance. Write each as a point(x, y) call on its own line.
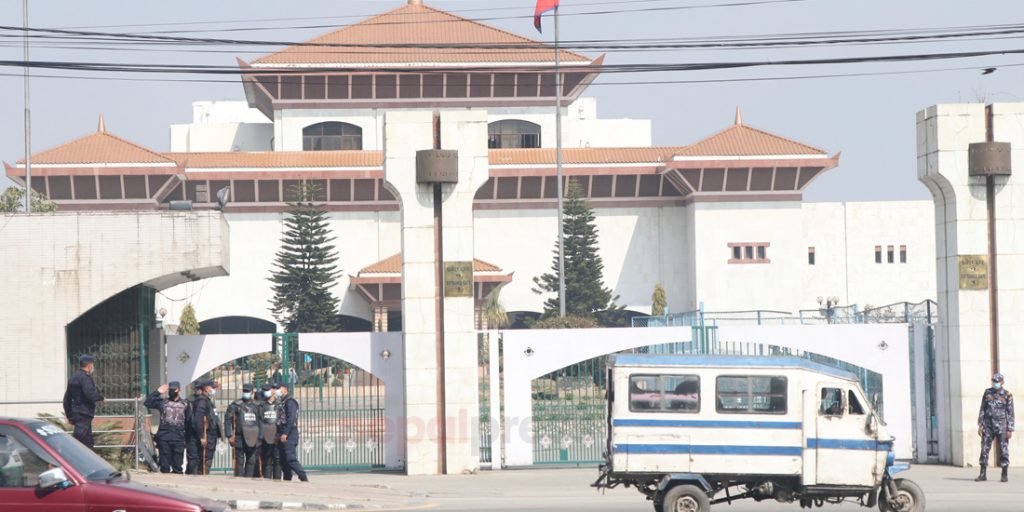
point(415, 28)
point(742, 140)
point(99, 147)
point(393, 265)
point(583, 155)
point(277, 159)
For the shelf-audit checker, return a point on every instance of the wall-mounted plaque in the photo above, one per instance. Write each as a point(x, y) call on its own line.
point(458, 279)
point(973, 271)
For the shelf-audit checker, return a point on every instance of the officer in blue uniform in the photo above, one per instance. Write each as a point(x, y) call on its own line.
point(996, 422)
point(290, 438)
point(80, 400)
point(244, 429)
point(271, 414)
point(192, 446)
point(206, 425)
point(170, 437)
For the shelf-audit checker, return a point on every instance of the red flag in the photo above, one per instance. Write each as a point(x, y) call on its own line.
point(543, 6)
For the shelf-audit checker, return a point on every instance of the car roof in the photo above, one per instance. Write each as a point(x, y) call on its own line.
point(728, 361)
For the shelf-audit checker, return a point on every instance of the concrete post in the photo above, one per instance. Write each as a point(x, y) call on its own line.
point(963, 338)
point(405, 133)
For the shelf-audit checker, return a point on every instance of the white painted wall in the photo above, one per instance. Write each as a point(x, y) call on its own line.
point(222, 137)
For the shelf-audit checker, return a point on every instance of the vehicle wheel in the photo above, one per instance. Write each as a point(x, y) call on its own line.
point(909, 497)
point(686, 498)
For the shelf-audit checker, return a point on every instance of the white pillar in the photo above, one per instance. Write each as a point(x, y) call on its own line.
point(962, 351)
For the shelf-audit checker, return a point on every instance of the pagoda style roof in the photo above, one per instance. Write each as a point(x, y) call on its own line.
point(742, 140)
point(622, 155)
point(415, 35)
point(100, 148)
point(393, 265)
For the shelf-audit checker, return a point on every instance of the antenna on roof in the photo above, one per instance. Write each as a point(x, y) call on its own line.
point(739, 116)
point(102, 126)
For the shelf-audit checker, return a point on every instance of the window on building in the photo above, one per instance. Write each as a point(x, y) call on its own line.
point(891, 253)
point(810, 255)
point(737, 253)
point(878, 254)
point(903, 254)
point(513, 133)
point(332, 136)
point(749, 394)
point(762, 252)
point(665, 393)
point(855, 406)
point(749, 253)
point(831, 402)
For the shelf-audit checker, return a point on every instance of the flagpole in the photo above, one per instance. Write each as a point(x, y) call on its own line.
point(558, 170)
point(28, 116)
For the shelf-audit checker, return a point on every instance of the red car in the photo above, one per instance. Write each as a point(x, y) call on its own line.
point(42, 468)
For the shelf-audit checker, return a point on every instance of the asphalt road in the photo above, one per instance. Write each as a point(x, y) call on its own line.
point(947, 489)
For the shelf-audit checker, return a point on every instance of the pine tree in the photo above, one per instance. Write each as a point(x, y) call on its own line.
point(187, 323)
point(585, 293)
point(304, 268)
point(659, 302)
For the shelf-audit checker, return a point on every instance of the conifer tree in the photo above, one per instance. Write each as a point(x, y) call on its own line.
point(187, 323)
point(304, 269)
point(585, 293)
point(659, 302)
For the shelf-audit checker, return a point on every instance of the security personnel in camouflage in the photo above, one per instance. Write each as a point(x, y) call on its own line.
point(270, 413)
point(243, 420)
point(995, 422)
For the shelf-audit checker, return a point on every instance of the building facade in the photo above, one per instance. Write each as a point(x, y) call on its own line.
point(720, 223)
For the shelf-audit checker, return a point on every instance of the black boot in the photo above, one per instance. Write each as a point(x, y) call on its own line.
point(982, 477)
point(1004, 478)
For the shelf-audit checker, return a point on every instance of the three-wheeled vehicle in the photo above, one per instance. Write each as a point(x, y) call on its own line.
point(692, 431)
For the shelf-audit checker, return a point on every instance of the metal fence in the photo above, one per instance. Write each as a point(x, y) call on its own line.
point(900, 312)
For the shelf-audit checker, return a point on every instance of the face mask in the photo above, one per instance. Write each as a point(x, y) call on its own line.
point(246, 396)
point(267, 393)
point(213, 392)
point(997, 385)
point(173, 395)
point(278, 393)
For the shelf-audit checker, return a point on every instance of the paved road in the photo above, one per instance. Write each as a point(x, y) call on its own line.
point(540, 490)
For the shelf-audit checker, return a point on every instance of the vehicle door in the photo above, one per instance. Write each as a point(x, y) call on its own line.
point(22, 461)
point(845, 450)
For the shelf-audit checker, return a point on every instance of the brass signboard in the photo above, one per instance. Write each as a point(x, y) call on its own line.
point(973, 272)
point(458, 279)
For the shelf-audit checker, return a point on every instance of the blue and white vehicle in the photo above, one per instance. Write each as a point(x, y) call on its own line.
point(692, 431)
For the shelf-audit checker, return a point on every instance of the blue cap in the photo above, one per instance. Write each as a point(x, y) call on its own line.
point(174, 384)
point(997, 377)
point(267, 387)
point(275, 385)
point(246, 387)
point(85, 359)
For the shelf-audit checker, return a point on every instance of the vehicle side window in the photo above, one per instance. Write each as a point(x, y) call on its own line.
point(20, 460)
point(831, 402)
point(750, 394)
point(665, 393)
point(855, 406)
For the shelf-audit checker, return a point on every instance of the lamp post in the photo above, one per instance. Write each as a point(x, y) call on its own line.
point(828, 307)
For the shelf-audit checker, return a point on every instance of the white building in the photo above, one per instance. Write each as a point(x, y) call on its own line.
point(719, 222)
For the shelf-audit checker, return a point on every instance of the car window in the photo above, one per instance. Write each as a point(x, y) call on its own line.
point(667, 393)
point(21, 460)
point(85, 461)
point(831, 402)
point(855, 405)
point(751, 394)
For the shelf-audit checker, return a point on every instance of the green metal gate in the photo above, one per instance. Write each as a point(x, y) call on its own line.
point(342, 421)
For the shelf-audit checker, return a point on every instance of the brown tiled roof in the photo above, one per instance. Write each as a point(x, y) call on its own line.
point(99, 147)
point(742, 140)
point(417, 26)
point(393, 265)
point(277, 159)
point(583, 155)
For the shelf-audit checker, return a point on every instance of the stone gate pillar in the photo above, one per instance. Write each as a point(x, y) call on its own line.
point(404, 134)
point(963, 354)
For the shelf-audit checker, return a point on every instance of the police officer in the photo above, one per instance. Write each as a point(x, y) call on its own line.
point(206, 425)
point(170, 437)
point(80, 400)
point(995, 421)
point(192, 446)
point(242, 419)
point(290, 437)
point(270, 413)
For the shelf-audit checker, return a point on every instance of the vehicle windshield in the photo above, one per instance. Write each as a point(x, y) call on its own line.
point(82, 459)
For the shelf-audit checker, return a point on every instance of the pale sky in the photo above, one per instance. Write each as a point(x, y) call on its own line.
point(870, 119)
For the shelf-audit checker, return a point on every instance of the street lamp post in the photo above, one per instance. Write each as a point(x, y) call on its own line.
point(828, 307)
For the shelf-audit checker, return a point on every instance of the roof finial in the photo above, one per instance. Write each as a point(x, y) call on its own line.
point(415, 2)
point(739, 116)
point(102, 127)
